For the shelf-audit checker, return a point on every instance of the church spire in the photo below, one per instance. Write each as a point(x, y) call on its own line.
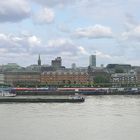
point(39, 60)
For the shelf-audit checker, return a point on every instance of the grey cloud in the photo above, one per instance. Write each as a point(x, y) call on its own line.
point(97, 31)
point(17, 44)
point(14, 10)
point(132, 35)
point(130, 21)
point(31, 44)
point(61, 46)
point(44, 16)
point(64, 28)
point(77, 3)
point(52, 3)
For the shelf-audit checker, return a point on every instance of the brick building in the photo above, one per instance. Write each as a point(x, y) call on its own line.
point(64, 77)
point(15, 77)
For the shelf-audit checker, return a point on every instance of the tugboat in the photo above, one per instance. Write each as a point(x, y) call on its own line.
point(77, 97)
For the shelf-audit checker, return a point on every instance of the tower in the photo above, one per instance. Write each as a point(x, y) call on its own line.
point(39, 60)
point(73, 66)
point(92, 60)
point(57, 63)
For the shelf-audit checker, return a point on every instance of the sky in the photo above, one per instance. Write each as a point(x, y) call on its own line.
point(71, 29)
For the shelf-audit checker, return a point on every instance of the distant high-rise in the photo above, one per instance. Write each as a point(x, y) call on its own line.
point(39, 60)
point(57, 63)
point(92, 60)
point(73, 66)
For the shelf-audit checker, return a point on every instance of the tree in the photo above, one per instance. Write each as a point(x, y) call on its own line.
point(101, 79)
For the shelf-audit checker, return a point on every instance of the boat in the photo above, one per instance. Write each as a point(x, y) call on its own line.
point(6, 93)
point(76, 97)
point(40, 99)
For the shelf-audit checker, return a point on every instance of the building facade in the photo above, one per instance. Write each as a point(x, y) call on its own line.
point(119, 79)
point(138, 76)
point(63, 77)
point(18, 77)
point(57, 63)
point(118, 68)
point(1, 78)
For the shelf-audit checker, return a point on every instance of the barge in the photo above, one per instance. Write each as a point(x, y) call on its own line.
point(41, 99)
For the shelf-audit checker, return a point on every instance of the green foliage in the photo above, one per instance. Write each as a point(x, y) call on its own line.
point(5, 85)
point(101, 79)
point(26, 84)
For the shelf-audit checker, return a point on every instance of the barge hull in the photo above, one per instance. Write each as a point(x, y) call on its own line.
point(39, 100)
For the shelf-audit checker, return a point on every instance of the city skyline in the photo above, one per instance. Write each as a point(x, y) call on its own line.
point(73, 30)
point(57, 63)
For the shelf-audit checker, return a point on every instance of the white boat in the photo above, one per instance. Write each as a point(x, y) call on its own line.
point(5, 93)
point(76, 96)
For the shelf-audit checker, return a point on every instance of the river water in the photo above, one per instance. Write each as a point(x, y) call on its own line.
point(98, 118)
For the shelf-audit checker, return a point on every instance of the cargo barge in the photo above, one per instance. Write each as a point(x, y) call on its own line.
point(41, 99)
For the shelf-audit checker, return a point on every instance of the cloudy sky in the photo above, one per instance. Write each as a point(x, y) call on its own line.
point(72, 29)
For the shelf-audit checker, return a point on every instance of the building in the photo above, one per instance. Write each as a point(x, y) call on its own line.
point(57, 63)
point(73, 66)
point(47, 68)
point(92, 61)
point(10, 67)
point(126, 79)
point(1, 78)
point(138, 76)
point(39, 61)
point(22, 77)
point(98, 73)
point(33, 67)
point(119, 68)
point(64, 77)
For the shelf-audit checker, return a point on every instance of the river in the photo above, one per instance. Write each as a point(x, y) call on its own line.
point(98, 118)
